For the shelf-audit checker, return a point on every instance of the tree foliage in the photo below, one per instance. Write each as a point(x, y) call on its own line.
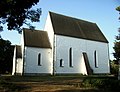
point(117, 47)
point(6, 56)
point(117, 42)
point(18, 12)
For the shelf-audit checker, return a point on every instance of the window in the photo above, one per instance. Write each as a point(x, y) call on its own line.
point(61, 63)
point(39, 59)
point(70, 58)
point(95, 59)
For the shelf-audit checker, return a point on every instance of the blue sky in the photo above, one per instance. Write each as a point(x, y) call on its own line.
point(101, 12)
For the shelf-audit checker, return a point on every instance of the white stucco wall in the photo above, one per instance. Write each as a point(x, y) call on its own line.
point(31, 61)
point(19, 66)
point(103, 56)
point(49, 28)
point(14, 62)
point(63, 44)
point(22, 49)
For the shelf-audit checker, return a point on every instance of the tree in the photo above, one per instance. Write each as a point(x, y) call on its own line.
point(117, 47)
point(18, 12)
point(6, 56)
point(117, 42)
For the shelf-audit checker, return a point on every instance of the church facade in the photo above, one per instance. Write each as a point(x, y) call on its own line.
point(66, 46)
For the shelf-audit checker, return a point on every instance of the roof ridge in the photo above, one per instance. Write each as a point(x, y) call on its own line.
point(31, 29)
point(72, 17)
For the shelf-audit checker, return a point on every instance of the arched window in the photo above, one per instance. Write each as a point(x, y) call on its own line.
point(39, 59)
point(61, 63)
point(70, 58)
point(96, 59)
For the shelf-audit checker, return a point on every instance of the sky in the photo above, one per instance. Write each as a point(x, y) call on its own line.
point(101, 12)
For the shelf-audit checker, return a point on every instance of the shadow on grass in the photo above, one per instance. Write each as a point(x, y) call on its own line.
point(85, 90)
point(28, 83)
point(11, 87)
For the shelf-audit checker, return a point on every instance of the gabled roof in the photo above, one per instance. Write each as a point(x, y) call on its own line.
point(73, 27)
point(36, 38)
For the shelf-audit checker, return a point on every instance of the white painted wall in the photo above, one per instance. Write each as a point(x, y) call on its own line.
point(23, 50)
point(63, 44)
point(19, 66)
point(49, 28)
point(83, 69)
point(103, 56)
point(31, 61)
point(14, 62)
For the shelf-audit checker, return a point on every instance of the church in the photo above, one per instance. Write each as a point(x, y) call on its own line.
point(67, 45)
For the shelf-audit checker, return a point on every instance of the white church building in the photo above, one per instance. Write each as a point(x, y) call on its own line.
point(67, 45)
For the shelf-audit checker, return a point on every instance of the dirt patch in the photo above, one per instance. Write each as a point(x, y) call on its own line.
point(44, 84)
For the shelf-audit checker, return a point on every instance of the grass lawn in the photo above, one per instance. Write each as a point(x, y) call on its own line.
point(69, 83)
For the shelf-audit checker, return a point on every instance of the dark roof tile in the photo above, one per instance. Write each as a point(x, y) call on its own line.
point(36, 38)
point(73, 27)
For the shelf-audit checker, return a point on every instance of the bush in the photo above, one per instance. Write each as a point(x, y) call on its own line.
point(105, 84)
point(9, 87)
point(114, 68)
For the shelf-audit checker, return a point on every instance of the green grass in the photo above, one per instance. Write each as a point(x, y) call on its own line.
point(69, 83)
point(107, 84)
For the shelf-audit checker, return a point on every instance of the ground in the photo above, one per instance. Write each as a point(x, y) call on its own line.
point(44, 83)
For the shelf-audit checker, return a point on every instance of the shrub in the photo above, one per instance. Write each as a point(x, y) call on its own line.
point(105, 84)
point(114, 68)
point(9, 87)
